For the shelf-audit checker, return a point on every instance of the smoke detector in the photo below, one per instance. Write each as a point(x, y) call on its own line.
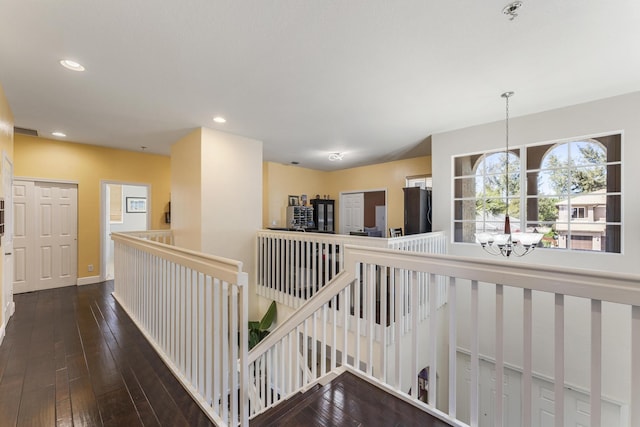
point(511, 9)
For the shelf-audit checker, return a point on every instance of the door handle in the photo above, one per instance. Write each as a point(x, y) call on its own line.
point(7, 253)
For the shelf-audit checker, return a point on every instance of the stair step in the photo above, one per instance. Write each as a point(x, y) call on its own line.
point(283, 408)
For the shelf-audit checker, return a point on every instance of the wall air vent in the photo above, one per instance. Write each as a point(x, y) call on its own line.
point(25, 131)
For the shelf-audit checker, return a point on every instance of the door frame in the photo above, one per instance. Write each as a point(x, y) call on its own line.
point(104, 213)
point(8, 306)
point(374, 190)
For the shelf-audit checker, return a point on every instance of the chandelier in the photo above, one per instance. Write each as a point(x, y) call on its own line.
point(507, 243)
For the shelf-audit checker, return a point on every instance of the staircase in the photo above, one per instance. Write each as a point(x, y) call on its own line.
point(347, 400)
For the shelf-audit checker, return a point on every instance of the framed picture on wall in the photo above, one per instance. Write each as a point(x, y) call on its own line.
point(136, 205)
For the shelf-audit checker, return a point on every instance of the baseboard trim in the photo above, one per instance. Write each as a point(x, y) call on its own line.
point(88, 280)
point(12, 308)
point(2, 328)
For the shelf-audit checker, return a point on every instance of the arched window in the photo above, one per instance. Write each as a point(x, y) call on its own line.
point(573, 193)
point(480, 201)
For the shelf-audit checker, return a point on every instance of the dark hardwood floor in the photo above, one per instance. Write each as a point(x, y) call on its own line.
point(346, 401)
point(72, 357)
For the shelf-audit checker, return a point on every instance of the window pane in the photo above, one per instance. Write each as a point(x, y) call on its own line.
point(535, 154)
point(612, 238)
point(587, 243)
point(466, 165)
point(614, 178)
point(556, 157)
point(548, 182)
point(464, 209)
point(587, 153)
point(495, 227)
point(588, 179)
point(465, 232)
point(468, 187)
point(543, 209)
point(613, 209)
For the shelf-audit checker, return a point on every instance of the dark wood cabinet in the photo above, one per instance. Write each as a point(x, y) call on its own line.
point(417, 210)
point(323, 214)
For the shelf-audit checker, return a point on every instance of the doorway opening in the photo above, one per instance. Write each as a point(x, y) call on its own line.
point(364, 212)
point(116, 216)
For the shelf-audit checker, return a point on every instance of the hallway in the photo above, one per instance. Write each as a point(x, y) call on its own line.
point(71, 356)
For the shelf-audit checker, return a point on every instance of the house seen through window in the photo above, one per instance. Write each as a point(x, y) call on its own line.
point(572, 193)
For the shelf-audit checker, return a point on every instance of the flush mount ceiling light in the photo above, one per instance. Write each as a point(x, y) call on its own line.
point(71, 65)
point(506, 244)
point(511, 9)
point(219, 119)
point(336, 156)
point(59, 134)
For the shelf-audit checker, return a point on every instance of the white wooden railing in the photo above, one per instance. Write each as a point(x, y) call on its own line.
point(490, 316)
point(161, 236)
point(192, 308)
point(293, 266)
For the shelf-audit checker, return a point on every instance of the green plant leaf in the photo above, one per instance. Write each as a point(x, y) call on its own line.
point(268, 317)
point(254, 338)
point(254, 324)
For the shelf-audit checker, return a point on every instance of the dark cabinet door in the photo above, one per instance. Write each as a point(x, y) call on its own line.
point(323, 214)
point(417, 210)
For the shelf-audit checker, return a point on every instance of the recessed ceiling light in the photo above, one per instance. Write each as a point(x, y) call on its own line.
point(71, 65)
point(219, 119)
point(59, 134)
point(336, 156)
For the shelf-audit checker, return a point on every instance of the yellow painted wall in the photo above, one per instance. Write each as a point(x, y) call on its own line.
point(6, 145)
point(390, 176)
point(88, 165)
point(186, 191)
point(282, 180)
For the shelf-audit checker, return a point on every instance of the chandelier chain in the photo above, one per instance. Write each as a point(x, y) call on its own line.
point(506, 152)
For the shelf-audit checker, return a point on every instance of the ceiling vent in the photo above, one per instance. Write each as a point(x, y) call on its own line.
point(25, 131)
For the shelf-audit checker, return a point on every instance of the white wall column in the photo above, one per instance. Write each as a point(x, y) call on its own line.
point(216, 196)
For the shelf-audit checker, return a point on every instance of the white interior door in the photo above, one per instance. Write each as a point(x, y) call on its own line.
point(352, 218)
point(45, 239)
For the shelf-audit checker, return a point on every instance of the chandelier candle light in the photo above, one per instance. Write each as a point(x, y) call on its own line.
point(506, 244)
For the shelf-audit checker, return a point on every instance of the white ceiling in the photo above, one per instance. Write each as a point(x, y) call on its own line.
point(371, 78)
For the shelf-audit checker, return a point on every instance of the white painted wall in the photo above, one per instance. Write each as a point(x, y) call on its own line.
point(216, 197)
point(594, 118)
point(604, 116)
point(232, 199)
point(132, 221)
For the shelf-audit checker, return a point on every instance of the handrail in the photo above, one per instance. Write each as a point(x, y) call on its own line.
point(161, 236)
point(620, 288)
point(197, 260)
point(339, 282)
point(193, 309)
point(392, 285)
point(293, 266)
